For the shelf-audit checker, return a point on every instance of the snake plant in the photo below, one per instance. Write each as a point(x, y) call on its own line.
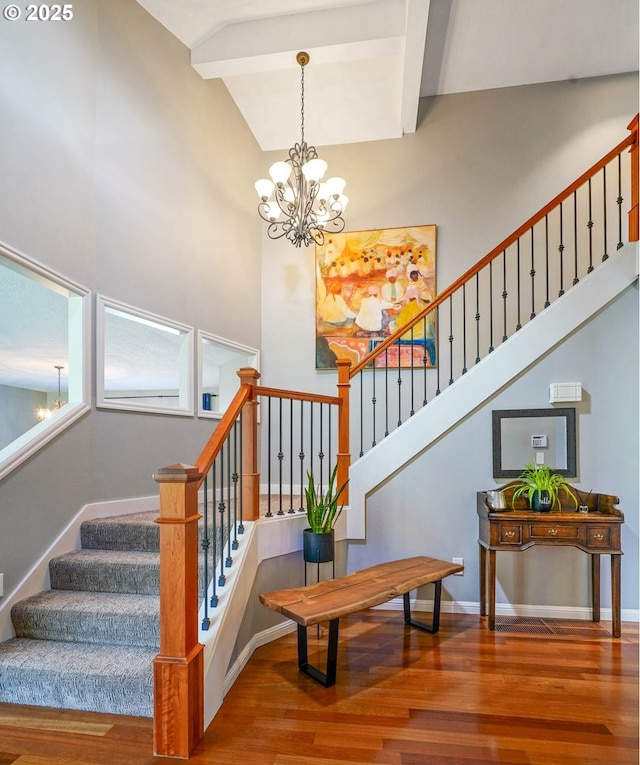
point(322, 507)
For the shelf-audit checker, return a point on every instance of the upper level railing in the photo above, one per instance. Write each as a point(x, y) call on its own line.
point(520, 277)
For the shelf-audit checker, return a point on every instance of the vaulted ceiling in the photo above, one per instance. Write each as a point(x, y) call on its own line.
point(372, 60)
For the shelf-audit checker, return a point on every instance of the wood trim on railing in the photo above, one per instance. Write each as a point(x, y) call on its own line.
point(314, 398)
point(630, 140)
point(219, 435)
point(250, 474)
point(178, 670)
point(343, 457)
point(634, 212)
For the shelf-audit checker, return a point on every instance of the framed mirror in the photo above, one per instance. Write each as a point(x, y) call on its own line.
point(143, 362)
point(541, 436)
point(218, 363)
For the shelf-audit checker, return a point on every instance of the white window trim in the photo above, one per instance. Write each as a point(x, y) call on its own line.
point(79, 403)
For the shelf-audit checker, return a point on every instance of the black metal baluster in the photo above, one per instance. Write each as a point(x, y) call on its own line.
point(546, 257)
point(504, 295)
point(425, 358)
point(234, 478)
point(532, 274)
point(214, 535)
point(229, 559)
point(590, 229)
point(321, 452)
point(386, 392)
point(575, 238)
point(399, 386)
point(438, 354)
point(301, 457)
point(412, 410)
point(311, 436)
point(477, 317)
point(373, 404)
point(605, 255)
point(222, 578)
point(619, 201)
point(205, 544)
point(280, 457)
point(291, 509)
point(450, 340)
point(241, 514)
point(361, 414)
point(269, 514)
point(490, 306)
point(464, 328)
point(561, 251)
point(519, 324)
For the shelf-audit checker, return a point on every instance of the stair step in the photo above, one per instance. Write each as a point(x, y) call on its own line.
point(94, 677)
point(89, 617)
point(137, 531)
point(107, 571)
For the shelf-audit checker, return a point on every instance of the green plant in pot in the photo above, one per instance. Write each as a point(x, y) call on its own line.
point(542, 487)
point(323, 510)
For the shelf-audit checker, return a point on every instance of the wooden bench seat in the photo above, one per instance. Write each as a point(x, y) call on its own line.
point(331, 599)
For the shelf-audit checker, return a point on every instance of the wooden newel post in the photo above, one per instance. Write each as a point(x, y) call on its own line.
point(344, 453)
point(250, 474)
point(634, 212)
point(178, 718)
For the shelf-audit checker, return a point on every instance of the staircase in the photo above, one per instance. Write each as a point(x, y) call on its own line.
point(89, 642)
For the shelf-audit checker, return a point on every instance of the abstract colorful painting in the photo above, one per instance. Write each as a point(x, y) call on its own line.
point(370, 283)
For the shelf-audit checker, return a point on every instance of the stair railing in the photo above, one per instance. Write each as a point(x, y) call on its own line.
point(227, 470)
point(565, 240)
point(205, 505)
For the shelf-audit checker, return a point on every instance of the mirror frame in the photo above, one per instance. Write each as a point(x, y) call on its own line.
point(184, 366)
point(498, 415)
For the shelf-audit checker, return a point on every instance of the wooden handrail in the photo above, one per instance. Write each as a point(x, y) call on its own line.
point(630, 140)
point(219, 435)
point(314, 398)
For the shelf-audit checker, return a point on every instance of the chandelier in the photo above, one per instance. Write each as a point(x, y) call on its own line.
point(295, 203)
point(45, 413)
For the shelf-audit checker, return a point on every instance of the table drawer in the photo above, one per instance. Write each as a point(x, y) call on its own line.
point(599, 536)
point(554, 531)
point(510, 534)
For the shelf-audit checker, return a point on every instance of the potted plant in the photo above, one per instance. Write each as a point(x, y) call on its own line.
point(542, 487)
point(322, 513)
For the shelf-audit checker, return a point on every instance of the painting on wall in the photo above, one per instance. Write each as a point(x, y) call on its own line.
point(368, 285)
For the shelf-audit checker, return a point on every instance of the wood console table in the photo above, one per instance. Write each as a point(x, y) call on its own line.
point(596, 533)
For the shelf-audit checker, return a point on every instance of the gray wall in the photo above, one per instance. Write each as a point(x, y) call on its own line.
point(479, 165)
point(125, 171)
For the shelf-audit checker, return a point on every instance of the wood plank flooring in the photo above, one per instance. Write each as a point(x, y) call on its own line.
point(465, 696)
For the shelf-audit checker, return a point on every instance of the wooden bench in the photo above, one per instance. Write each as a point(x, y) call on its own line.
point(331, 599)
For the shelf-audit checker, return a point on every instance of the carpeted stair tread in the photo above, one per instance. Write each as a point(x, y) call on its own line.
point(94, 677)
point(107, 571)
point(136, 531)
point(89, 617)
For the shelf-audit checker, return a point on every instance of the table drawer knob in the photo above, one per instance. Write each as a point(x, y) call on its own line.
point(510, 534)
point(598, 537)
point(553, 532)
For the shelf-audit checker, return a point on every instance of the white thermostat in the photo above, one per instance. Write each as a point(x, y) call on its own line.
point(539, 442)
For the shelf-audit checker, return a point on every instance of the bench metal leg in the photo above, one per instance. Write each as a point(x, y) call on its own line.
point(435, 624)
point(329, 678)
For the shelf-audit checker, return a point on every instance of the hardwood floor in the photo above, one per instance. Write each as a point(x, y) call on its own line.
point(465, 696)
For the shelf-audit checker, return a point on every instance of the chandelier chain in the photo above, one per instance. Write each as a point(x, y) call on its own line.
point(302, 103)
